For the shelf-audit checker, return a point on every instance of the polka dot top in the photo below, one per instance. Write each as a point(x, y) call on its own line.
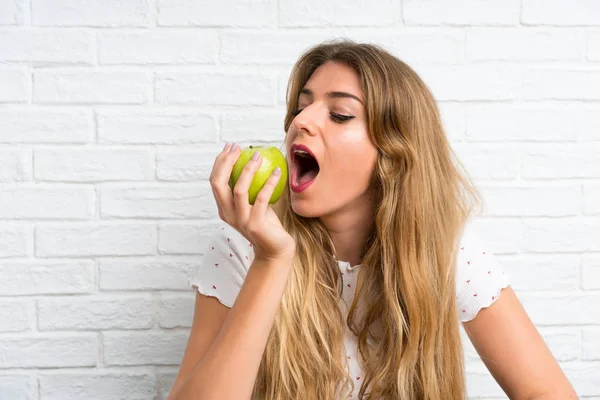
point(479, 281)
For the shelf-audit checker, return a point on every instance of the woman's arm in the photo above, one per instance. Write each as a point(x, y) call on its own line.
point(515, 353)
point(228, 368)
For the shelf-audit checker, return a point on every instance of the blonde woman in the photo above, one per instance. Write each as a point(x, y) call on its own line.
point(353, 286)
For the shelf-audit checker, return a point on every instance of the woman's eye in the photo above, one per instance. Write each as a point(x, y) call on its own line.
point(335, 117)
point(340, 117)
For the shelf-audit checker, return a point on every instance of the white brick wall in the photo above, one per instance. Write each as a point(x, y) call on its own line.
point(111, 113)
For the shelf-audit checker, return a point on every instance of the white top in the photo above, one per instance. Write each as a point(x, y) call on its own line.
point(479, 280)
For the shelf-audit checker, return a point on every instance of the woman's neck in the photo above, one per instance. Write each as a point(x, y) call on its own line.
point(350, 229)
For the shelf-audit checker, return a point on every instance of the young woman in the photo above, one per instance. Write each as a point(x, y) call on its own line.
point(355, 283)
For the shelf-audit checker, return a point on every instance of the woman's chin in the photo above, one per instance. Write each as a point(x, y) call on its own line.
point(303, 208)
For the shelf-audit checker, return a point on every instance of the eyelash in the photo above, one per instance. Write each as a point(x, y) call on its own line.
point(335, 117)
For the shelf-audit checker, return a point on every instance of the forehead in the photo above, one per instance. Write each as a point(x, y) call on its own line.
point(334, 77)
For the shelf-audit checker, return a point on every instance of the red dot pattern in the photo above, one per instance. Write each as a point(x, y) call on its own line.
point(477, 282)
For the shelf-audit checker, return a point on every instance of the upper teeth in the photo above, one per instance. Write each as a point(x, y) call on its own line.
point(300, 152)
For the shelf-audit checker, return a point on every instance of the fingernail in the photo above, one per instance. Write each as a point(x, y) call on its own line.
point(255, 156)
point(234, 147)
point(226, 144)
point(277, 171)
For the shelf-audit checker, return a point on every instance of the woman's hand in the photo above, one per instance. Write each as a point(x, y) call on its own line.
point(258, 223)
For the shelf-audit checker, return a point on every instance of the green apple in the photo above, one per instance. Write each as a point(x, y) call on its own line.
point(271, 158)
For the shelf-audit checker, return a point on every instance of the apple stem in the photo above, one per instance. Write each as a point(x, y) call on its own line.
point(251, 146)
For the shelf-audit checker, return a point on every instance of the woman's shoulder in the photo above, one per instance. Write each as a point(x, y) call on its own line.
point(479, 276)
point(225, 264)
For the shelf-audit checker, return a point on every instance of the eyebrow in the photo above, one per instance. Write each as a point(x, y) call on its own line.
point(334, 95)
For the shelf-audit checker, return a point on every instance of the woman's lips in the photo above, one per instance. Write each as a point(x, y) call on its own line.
point(308, 177)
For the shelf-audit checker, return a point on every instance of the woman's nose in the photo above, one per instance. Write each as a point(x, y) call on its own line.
point(304, 122)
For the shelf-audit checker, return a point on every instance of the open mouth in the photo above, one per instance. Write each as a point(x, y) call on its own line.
point(306, 168)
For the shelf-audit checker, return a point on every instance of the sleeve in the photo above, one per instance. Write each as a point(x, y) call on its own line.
point(224, 266)
point(479, 277)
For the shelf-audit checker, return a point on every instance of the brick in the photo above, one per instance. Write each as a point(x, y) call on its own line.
point(564, 343)
point(224, 13)
point(489, 12)
point(584, 377)
point(91, 86)
point(539, 272)
point(157, 47)
point(590, 271)
point(315, 13)
point(16, 315)
point(40, 202)
point(18, 386)
point(156, 202)
point(503, 236)
point(97, 384)
point(440, 46)
point(176, 311)
point(15, 165)
point(15, 84)
point(252, 126)
point(574, 308)
point(144, 348)
point(548, 200)
point(588, 125)
point(215, 89)
point(282, 82)
point(562, 162)
point(15, 240)
point(591, 343)
point(165, 377)
point(184, 238)
point(93, 165)
point(28, 125)
point(490, 161)
point(95, 312)
point(47, 46)
point(12, 13)
point(102, 239)
point(155, 127)
point(560, 235)
point(185, 165)
point(501, 123)
point(454, 120)
point(481, 383)
point(36, 277)
point(593, 45)
point(266, 47)
point(48, 350)
point(560, 12)
point(472, 82)
point(567, 84)
point(591, 199)
point(508, 44)
point(147, 274)
point(94, 13)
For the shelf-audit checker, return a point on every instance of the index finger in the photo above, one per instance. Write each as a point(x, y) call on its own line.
point(220, 178)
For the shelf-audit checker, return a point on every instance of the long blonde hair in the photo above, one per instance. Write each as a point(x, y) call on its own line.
point(409, 328)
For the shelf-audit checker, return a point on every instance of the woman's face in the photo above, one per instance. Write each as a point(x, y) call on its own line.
point(332, 124)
